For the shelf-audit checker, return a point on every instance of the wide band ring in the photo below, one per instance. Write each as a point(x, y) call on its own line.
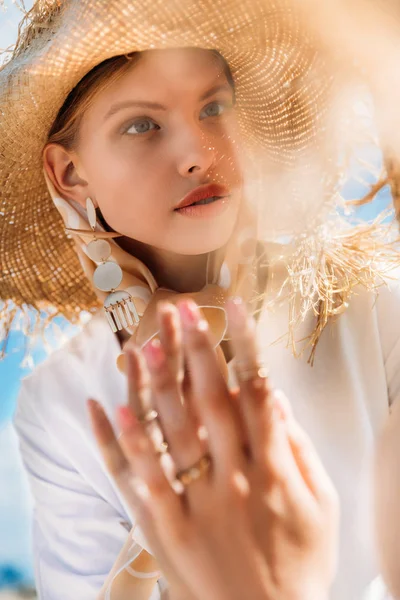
point(193, 473)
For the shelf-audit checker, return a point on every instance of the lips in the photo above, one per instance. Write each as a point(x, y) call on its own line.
point(203, 192)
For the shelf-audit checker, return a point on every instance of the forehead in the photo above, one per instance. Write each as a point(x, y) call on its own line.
point(163, 75)
point(194, 65)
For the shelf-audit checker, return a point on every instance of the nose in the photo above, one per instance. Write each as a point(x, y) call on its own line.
point(196, 154)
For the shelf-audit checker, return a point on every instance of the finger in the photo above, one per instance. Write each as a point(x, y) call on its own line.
point(235, 399)
point(177, 424)
point(171, 338)
point(255, 393)
point(308, 462)
point(275, 458)
point(119, 468)
point(163, 504)
point(209, 390)
point(291, 461)
point(268, 442)
point(139, 396)
point(159, 510)
point(110, 449)
point(276, 454)
point(134, 491)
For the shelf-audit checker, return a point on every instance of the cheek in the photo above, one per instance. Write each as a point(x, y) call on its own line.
point(130, 191)
point(229, 155)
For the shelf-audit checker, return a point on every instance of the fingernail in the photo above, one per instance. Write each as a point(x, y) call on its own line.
point(126, 418)
point(95, 405)
point(165, 307)
point(236, 310)
point(168, 313)
point(189, 313)
point(191, 316)
point(236, 300)
point(282, 407)
point(154, 354)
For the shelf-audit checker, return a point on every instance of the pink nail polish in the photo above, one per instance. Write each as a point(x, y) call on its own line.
point(154, 354)
point(189, 313)
point(126, 417)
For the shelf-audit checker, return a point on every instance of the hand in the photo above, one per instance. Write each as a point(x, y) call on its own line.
point(262, 522)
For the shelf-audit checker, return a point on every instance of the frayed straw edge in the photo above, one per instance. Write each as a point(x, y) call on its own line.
point(38, 17)
point(324, 273)
point(35, 324)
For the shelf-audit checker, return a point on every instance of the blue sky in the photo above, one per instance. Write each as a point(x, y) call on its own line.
point(15, 505)
point(15, 499)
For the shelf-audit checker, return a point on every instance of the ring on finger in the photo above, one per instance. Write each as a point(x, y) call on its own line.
point(162, 448)
point(148, 417)
point(245, 372)
point(195, 471)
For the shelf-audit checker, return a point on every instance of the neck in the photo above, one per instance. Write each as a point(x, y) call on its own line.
point(172, 271)
point(176, 272)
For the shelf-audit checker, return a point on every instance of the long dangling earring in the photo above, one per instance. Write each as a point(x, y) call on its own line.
point(119, 306)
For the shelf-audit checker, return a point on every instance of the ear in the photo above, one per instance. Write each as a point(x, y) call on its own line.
point(63, 169)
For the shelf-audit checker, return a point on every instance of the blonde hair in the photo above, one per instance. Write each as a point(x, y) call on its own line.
point(65, 129)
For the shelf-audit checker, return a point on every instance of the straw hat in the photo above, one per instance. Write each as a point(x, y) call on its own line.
point(279, 102)
point(284, 90)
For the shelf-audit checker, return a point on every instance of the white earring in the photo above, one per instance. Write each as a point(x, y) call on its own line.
point(119, 306)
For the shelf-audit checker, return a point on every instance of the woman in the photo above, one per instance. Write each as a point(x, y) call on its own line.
point(144, 121)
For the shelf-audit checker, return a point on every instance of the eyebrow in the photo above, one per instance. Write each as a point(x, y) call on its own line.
point(216, 88)
point(130, 104)
point(155, 106)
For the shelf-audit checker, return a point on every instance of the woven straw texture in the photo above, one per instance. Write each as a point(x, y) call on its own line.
point(280, 101)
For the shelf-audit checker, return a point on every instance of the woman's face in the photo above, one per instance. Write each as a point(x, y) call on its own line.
point(154, 136)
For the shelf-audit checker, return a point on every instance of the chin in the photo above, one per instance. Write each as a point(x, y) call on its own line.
point(193, 237)
point(201, 246)
point(202, 240)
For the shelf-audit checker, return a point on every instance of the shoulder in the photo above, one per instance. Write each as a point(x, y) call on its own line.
point(368, 332)
point(57, 390)
point(76, 358)
point(387, 309)
point(376, 309)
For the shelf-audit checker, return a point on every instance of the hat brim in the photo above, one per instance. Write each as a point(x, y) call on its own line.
point(280, 102)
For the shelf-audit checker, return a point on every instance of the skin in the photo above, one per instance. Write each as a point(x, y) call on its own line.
point(262, 523)
point(137, 163)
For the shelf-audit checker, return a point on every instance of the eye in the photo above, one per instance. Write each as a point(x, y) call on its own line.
point(214, 109)
point(141, 126)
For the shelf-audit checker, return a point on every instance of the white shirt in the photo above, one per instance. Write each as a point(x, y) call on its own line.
point(80, 521)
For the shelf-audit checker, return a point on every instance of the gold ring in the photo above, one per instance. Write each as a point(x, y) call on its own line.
point(148, 417)
point(193, 473)
point(162, 448)
point(258, 371)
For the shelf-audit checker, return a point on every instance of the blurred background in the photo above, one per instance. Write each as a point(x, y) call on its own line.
point(16, 572)
point(16, 560)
